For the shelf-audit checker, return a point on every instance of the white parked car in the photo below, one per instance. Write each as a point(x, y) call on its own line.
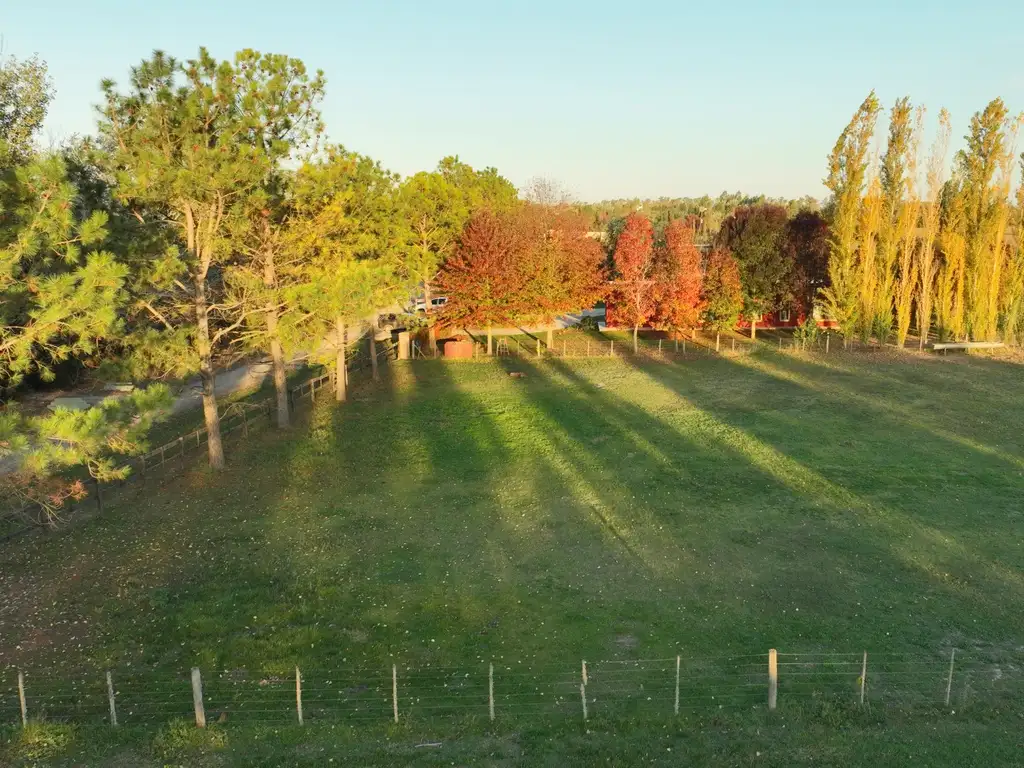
point(435, 304)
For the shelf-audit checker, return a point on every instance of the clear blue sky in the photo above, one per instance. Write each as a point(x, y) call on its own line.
point(611, 99)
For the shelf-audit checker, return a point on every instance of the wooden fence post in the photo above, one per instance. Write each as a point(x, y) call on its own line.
point(677, 685)
point(394, 690)
point(827, 337)
point(298, 693)
point(110, 699)
point(490, 690)
point(773, 678)
point(863, 677)
point(21, 699)
point(197, 698)
point(583, 672)
point(181, 449)
point(659, 346)
point(611, 348)
point(949, 680)
point(583, 698)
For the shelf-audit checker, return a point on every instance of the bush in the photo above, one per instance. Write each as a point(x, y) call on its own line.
point(180, 736)
point(588, 323)
point(808, 332)
point(43, 741)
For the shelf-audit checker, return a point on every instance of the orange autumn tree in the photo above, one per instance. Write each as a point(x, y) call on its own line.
point(635, 289)
point(680, 278)
point(483, 279)
point(563, 268)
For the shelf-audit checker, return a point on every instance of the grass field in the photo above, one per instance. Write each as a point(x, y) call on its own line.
point(594, 509)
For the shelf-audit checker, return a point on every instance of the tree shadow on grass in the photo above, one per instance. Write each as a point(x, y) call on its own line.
point(891, 482)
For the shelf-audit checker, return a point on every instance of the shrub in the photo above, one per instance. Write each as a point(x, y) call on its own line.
point(588, 323)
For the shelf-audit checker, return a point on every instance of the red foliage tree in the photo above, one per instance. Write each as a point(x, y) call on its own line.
point(808, 248)
point(635, 289)
point(680, 303)
point(483, 280)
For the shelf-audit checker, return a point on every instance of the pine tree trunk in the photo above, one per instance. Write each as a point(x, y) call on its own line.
point(214, 445)
point(753, 328)
point(373, 356)
point(341, 368)
point(276, 349)
point(489, 344)
point(636, 329)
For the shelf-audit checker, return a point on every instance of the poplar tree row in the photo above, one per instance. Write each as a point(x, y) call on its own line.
point(913, 244)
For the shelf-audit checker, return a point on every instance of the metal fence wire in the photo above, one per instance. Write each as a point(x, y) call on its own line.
point(582, 689)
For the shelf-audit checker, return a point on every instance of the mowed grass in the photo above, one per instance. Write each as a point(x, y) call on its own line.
point(606, 510)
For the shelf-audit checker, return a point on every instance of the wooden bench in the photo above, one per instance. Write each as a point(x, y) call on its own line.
point(947, 345)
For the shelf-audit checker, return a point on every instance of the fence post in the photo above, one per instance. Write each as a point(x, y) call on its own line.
point(394, 690)
point(583, 698)
point(298, 693)
point(611, 348)
point(780, 343)
point(949, 680)
point(490, 690)
point(21, 699)
point(110, 699)
point(773, 678)
point(684, 347)
point(734, 344)
point(583, 672)
point(827, 337)
point(659, 346)
point(563, 347)
point(181, 449)
point(245, 424)
point(863, 677)
point(677, 345)
point(197, 698)
point(677, 685)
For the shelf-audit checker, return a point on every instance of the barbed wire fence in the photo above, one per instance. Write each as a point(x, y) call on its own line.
point(583, 689)
point(238, 418)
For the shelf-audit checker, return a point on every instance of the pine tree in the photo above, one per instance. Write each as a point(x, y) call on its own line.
point(181, 141)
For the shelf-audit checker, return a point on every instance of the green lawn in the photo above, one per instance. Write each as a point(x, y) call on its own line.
point(608, 510)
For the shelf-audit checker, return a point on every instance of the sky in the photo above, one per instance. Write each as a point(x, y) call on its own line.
point(612, 100)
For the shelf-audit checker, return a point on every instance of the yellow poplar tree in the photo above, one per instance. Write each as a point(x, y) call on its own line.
point(867, 257)
point(847, 171)
point(930, 224)
point(907, 263)
point(1013, 286)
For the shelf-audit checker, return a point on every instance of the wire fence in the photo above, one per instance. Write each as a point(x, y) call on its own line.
point(574, 345)
point(239, 418)
point(583, 689)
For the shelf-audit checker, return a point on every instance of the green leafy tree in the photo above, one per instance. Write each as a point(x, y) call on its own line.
point(181, 141)
point(25, 93)
point(721, 293)
point(346, 238)
point(757, 237)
